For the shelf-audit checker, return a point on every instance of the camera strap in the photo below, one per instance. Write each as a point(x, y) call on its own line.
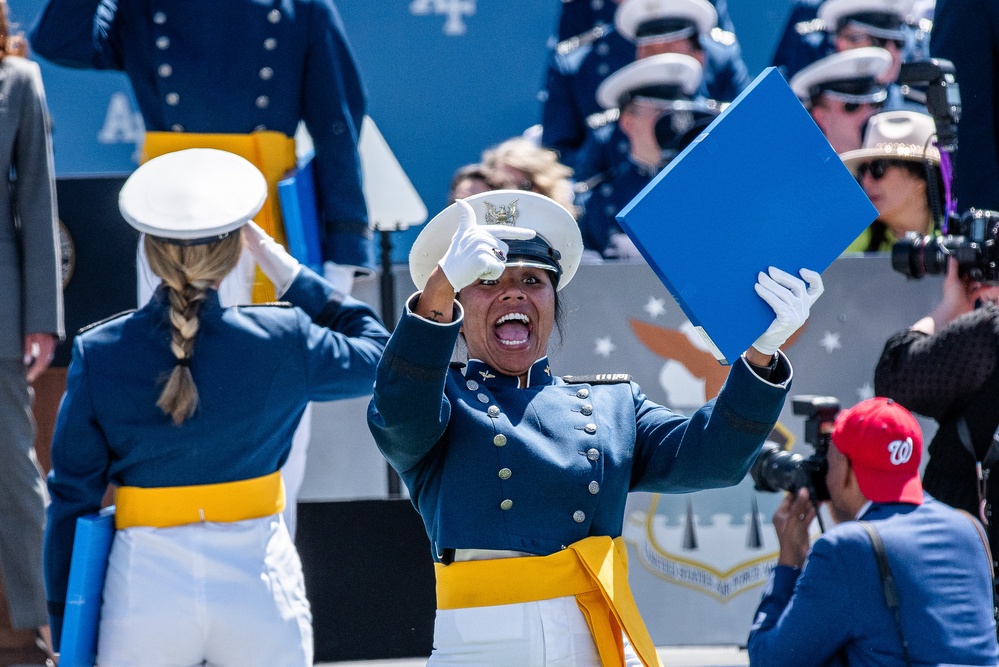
point(888, 585)
point(982, 465)
point(988, 555)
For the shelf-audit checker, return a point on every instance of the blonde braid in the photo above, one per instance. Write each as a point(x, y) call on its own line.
point(188, 272)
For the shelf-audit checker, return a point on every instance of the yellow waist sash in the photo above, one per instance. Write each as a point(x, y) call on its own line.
point(273, 153)
point(595, 570)
point(167, 506)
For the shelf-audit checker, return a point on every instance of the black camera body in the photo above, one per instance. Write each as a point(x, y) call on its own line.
point(975, 246)
point(943, 95)
point(681, 122)
point(972, 238)
point(778, 470)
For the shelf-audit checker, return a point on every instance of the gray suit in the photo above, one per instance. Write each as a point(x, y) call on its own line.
point(31, 302)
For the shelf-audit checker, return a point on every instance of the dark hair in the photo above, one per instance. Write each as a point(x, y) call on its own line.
point(920, 169)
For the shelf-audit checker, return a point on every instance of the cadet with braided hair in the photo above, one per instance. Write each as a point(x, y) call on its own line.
point(189, 408)
point(188, 273)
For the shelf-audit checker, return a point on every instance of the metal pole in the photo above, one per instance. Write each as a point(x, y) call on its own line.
point(388, 317)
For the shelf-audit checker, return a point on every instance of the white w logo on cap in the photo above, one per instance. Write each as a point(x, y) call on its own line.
point(900, 451)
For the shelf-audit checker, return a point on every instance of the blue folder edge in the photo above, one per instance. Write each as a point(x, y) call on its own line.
point(300, 211)
point(736, 315)
point(91, 548)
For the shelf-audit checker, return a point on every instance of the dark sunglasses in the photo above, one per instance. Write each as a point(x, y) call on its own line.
point(877, 168)
point(882, 42)
point(852, 107)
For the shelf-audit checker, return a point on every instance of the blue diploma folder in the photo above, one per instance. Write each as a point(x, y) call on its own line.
point(759, 187)
point(91, 548)
point(297, 196)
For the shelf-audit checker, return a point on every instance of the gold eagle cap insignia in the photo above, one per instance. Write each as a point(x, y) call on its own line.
point(502, 215)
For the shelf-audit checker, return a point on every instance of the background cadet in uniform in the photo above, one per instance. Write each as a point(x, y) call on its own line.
point(842, 92)
point(642, 91)
point(685, 27)
point(588, 50)
point(284, 63)
point(202, 568)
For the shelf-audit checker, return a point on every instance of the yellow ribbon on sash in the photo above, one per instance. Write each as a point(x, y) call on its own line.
point(227, 502)
point(595, 570)
point(273, 153)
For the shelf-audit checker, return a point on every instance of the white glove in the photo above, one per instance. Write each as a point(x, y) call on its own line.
point(276, 263)
point(791, 300)
point(477, 252)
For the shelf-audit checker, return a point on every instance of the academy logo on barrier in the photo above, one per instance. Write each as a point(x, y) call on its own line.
point(454, 10)
point(704, 567)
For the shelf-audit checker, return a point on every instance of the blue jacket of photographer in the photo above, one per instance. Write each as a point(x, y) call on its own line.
point(833, 611)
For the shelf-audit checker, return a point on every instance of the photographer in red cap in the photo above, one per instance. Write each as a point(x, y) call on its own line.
point(925, 599)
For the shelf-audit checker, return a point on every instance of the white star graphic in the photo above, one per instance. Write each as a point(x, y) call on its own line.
point(603, 346)
point(655, 307)
point(865, 392)
point(830, 341)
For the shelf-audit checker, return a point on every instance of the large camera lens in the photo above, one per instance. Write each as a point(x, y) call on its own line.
point(916, 256)
point(778, 470)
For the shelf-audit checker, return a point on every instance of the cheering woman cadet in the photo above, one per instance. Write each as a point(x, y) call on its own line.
point(521, 477)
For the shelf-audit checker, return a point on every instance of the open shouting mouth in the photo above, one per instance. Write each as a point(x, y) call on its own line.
point(513, 329)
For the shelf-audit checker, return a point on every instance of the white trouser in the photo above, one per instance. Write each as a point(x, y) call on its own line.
point(547, 633)
point(222, 594)
point(236, 288)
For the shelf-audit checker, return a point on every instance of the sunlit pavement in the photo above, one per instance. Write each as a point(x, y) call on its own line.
point(688, 656)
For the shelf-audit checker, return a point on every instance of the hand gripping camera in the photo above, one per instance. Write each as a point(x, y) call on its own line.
point(779, 470)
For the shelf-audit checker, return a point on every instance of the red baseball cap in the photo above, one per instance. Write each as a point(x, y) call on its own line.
point(884, 444)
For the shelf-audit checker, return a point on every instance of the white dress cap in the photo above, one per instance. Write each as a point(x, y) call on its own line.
point(832, 12)
point(664, 76)
point(896, 135)
point(556, 229)
point(840, 71)
point(194, 194)
point(631, 15)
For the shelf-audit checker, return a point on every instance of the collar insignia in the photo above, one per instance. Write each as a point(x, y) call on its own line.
point(502, 215)
point(486, 375)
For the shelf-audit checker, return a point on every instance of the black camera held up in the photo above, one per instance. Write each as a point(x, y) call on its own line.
point(778, 470)
point(681, 122)
point(971, 238)
point(975, 246)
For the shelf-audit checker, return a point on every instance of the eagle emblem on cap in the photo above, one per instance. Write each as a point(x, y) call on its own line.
point(502, 215)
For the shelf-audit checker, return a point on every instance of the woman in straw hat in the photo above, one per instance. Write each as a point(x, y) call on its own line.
point(899, 169)
point(521, 477)
point(189, 408)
